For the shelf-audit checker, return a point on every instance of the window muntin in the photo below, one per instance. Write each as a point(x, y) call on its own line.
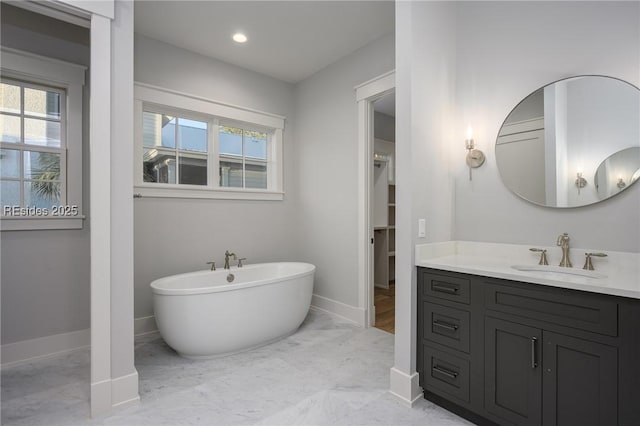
point(243, 157)
point(175, 149)
point(32, 143)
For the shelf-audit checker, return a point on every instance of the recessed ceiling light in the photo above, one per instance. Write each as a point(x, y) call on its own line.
point(239, 38)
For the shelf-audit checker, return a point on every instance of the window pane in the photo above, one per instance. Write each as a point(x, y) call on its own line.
point(41, 194)
point(42, 132)
point(9, 193)
point(159, 166)
point(231, 173)
point(9, 128)
point(9, 163)
point(255, 144)
point(158, 130)
point(41, 103)
point(193, 169)
point(9, 98)
point(41, 165)
point(230, 141)
point(255, 176)
point(193, 135)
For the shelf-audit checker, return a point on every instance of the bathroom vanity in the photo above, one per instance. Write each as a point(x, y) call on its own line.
point(500, 345)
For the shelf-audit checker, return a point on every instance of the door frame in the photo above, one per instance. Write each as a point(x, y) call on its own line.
point(366, 94)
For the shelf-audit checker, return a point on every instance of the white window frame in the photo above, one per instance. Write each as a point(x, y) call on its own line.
point(35, 70)
point(156, 99)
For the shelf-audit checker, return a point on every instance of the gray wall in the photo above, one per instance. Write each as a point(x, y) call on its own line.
point(326, 167)
point(506, 50)
point(180, 235)
point(384, 127)
point(45, 274)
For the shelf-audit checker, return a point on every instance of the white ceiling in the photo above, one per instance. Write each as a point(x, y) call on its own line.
point(288, 40)
point(386, 104)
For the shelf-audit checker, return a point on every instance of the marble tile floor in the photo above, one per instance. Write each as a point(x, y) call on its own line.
point(328, 373)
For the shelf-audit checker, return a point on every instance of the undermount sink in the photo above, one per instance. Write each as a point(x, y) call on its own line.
point(559, 270)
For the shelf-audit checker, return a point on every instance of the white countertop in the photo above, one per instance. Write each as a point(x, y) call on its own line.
point(620, 271)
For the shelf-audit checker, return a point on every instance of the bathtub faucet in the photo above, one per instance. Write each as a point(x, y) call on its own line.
point(227, 255)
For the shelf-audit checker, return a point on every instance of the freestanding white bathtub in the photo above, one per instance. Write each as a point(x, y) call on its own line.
point(202, 315)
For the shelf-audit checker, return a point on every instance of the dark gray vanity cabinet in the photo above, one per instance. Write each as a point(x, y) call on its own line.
point(513, 383)
point(512, 353)
point(580, 381)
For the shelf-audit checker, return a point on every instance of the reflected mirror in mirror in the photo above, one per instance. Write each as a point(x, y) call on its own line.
point(617, 171)
point(572, 143)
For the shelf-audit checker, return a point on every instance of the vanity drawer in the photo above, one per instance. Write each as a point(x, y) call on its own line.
point(447, 326)
point(593, 314)
point(446, 373)
point(445, 287)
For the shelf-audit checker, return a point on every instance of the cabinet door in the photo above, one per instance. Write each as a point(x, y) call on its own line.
point(513, 382)
point(580, 382)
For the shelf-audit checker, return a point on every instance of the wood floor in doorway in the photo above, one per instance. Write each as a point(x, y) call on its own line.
point(385, 302)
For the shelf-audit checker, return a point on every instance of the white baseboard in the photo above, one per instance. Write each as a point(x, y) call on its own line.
point(112, 395)
point(124, 391)
point(144, 325)
point(351, 313)
point(16, 353)
point(12, 354)
point(101, 399)
point(404, 387)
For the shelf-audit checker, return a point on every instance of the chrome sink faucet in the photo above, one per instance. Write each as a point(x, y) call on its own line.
point(563, 242)
point(227, 255)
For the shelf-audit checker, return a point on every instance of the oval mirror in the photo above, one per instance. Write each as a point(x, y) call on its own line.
point(572, 143)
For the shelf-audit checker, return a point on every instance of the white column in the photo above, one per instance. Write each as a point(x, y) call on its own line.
point(403, 377)
point(100, 219)
point(124, 376)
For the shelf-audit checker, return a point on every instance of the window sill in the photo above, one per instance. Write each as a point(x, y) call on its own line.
point(40, 223)
point(206, 193)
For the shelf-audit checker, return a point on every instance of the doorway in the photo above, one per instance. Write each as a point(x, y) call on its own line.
point(383, 205)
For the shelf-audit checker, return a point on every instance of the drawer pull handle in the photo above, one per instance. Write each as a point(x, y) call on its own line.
point(534, 361)
point(445, 371)
point(452, 327)
point(444, 289)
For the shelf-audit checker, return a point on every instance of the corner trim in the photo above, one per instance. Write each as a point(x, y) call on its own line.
point(348, 312)
point(404, 387)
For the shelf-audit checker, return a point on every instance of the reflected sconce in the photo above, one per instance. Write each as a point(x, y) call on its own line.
point(475, 157)
point(621, 183)
point(580, 181)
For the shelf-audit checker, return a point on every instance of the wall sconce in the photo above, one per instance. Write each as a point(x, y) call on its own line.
point(621, 184)
point(475, 157)
point(580, 181)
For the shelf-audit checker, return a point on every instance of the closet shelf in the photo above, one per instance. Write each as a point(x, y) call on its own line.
point(385, 236)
